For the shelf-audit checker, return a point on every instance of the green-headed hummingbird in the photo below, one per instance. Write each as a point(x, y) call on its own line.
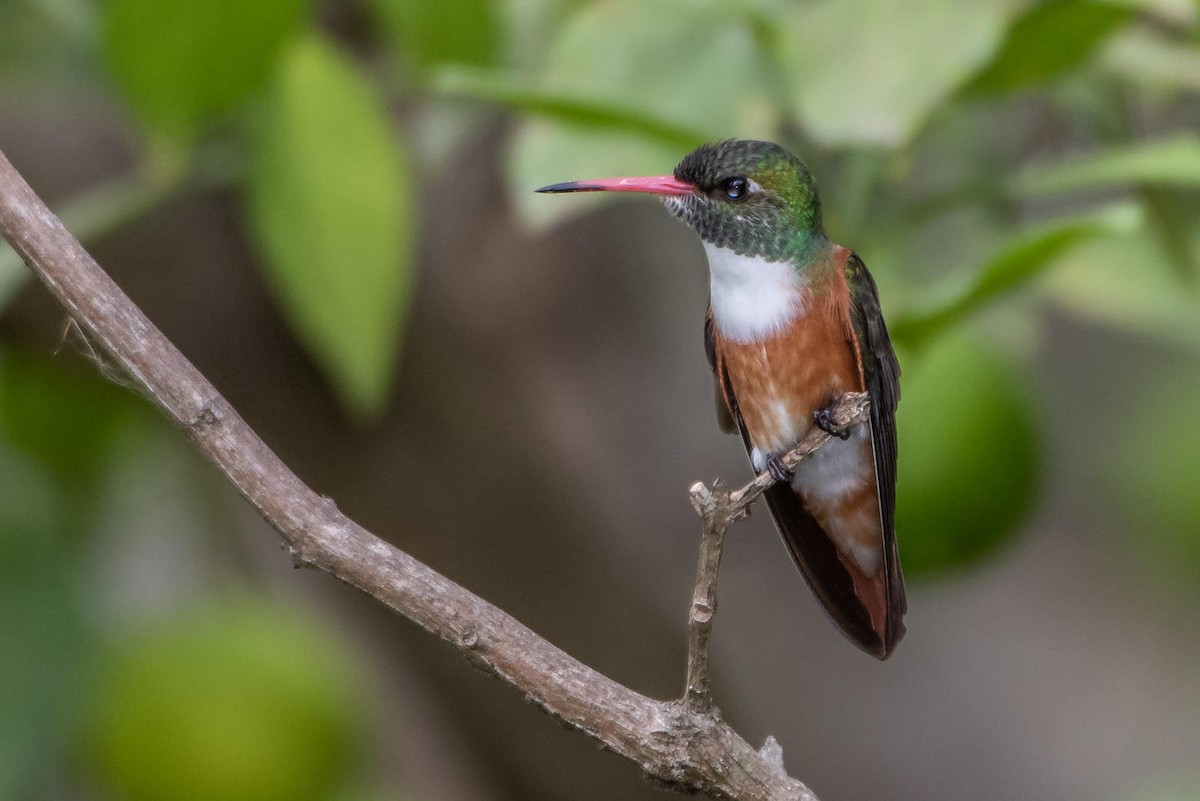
point(793, 322)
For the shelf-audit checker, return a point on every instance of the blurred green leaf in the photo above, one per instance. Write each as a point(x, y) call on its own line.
point(654, 57)
point(1157, 469)
point(429, 32)
point(869, 72)
point(528, 27)
point(44, 629)
point(1167, 162)
point(330, 206)
point(1150, 57)
point(1051, 38)
point(1172, 218)
point(494, 87)
point(44, 38)
point(680, 67)
point(968, 463)
point(64, 418)
point(182, 63)
point(1125, 282)
point(235, 702)
point(1183, 13)
point(1025, 257)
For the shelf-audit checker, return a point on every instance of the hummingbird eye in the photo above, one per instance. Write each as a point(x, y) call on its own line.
point(735, 188)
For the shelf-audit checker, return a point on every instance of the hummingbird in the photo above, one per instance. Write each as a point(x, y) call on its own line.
point(793, 322)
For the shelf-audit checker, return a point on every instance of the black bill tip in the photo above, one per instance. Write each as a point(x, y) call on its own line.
point(567, 186)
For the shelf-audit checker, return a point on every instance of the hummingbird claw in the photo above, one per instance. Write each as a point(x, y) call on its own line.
point(823, 419)
point(777, 470)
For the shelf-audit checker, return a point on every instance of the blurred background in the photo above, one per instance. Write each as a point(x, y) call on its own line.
point(328, 207)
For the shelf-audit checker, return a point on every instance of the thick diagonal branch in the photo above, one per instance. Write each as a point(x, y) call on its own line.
point(668, 740)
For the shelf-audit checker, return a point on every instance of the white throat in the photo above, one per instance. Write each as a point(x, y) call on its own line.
point(752, 298)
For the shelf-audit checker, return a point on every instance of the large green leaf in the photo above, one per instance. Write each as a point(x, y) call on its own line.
point(869, 72)
point(1049, 39)
point(679, 66)
point(330, 205)
point(1173, 161)
point(180, 63)
point(1027, 256)
point(428, 32)
point(968, 455)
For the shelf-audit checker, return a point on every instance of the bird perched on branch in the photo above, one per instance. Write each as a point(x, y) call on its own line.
point(793, 322)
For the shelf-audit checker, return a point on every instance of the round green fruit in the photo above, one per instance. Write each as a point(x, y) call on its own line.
point(967, 455)
point(239, 702)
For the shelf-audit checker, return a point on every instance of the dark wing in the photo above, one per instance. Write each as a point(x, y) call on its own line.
point(724, 413)
point(881, 372)
point(824, 568)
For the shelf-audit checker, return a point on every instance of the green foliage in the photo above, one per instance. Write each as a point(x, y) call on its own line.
point(969, 464)
point(183, 63)
point(1156, 469)
point(1124, 283)
point(1172, 161)
point(869, 72)
point(429, 32)
point(1049, 39)
point(1026, 256)
point(43, 626)
point(63, 418)
point(493, 87)
point(235, 702)
point(330, 203)
point(603, 87)
point(689, 72)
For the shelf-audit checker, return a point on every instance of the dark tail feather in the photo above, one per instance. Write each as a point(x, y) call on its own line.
point(861, 605)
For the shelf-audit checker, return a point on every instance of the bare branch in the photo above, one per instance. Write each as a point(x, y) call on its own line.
point(682, 745)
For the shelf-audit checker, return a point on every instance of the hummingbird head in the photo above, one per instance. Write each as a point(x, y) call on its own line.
point(754, 198)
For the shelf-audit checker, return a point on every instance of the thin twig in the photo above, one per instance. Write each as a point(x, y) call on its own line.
point(713, 508)
point(669, 741)
point(719, 509)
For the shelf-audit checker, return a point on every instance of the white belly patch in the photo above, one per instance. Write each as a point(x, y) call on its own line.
point(835, 470)
point(752, 298)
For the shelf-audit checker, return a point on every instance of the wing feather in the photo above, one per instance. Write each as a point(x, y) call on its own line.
point(881, 373)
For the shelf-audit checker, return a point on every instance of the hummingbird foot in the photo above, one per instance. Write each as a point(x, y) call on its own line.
point(777, 470)
point(823, 418)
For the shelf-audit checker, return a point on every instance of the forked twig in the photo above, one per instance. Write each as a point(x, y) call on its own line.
point(719, 509)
